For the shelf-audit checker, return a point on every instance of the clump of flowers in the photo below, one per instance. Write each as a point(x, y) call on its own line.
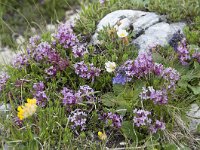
point(69, 97)
point(20, 60)
point(157, 96)
point(84, 71)
point(78, 120)
point(196, 56)
point(65, 36)
point(3, 79)
point(141, 117)
point(40, 94)
point(142, 66)
point(86, 91)
point(27, 110)
point(116, 120)
point(178, 42)
point(158, 125)
point(171, 76)
point(79, 50)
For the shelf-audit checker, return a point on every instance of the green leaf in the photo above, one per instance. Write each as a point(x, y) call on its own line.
point(108, 99)
point(170, 147)
point(128, 130)
point(195, 89)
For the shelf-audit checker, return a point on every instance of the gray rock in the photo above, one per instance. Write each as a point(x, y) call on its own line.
point(145, 22)
point(149, 27)
point(6, 55)
point(4, 108)
point(158, 34)
point(194, 116)
point(125, 17)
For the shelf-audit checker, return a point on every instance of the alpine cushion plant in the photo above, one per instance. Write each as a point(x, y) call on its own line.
point(103, 95)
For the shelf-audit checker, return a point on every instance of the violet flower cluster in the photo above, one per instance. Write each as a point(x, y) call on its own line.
point(158, 125)
point(86, 72)
point(183, 52)
point(157, 96)
point(79, 50)
point(3, 79)
point(178, 42)
point(71, 97)
point(20, 60)
point(196, 56)
point(171, 76)
point(78, 120)
point(40, 94)
point(65, 36)
point(115, 119)
point(142, 118)
point(142, 65)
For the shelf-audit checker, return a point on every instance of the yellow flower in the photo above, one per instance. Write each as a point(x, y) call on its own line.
point(110, 66)
point(122, 33)
point(27, 110)
point(102, 135)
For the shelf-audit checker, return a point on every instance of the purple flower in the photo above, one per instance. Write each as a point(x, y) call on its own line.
point(51, 71)
point(33, 41)
point(3, 79)
point(119, 79)
point(141, 117)
point(78, 120)
point(196, 56)
point(171, 76)
point(20, 60)
point(157, 96)
point(157, 126)
point(41, 51)
point(84, 71)
point(53, 56)
point(69, 97)
point(142, 66)
point(79, 50)
point(18, 122)
point(38, 86)
point(114, 118)
point(41, 98)
point(87, 91)
point(183, 52)
point(65, 36)
point(158, 69)
point(62, 64)
point(93, 72)
point(81, 69)
point(174, 41)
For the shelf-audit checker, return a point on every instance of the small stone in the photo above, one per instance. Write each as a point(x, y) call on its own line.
point(4, 108)
point(194, 116)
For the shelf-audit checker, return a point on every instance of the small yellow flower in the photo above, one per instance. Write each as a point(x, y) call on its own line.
point(110, 66)
point(27, 110)
point(102, 136)
point(122, 33)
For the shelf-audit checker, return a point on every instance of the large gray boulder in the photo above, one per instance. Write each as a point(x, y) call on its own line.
point(150, 28)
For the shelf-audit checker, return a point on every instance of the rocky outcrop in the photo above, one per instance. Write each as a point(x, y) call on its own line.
point(149, 28)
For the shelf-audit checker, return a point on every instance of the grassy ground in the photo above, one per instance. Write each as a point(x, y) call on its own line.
point(18, 17)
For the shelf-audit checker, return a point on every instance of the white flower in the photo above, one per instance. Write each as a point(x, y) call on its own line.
point(20, 40)
point(110, 66)
point(122, 33)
